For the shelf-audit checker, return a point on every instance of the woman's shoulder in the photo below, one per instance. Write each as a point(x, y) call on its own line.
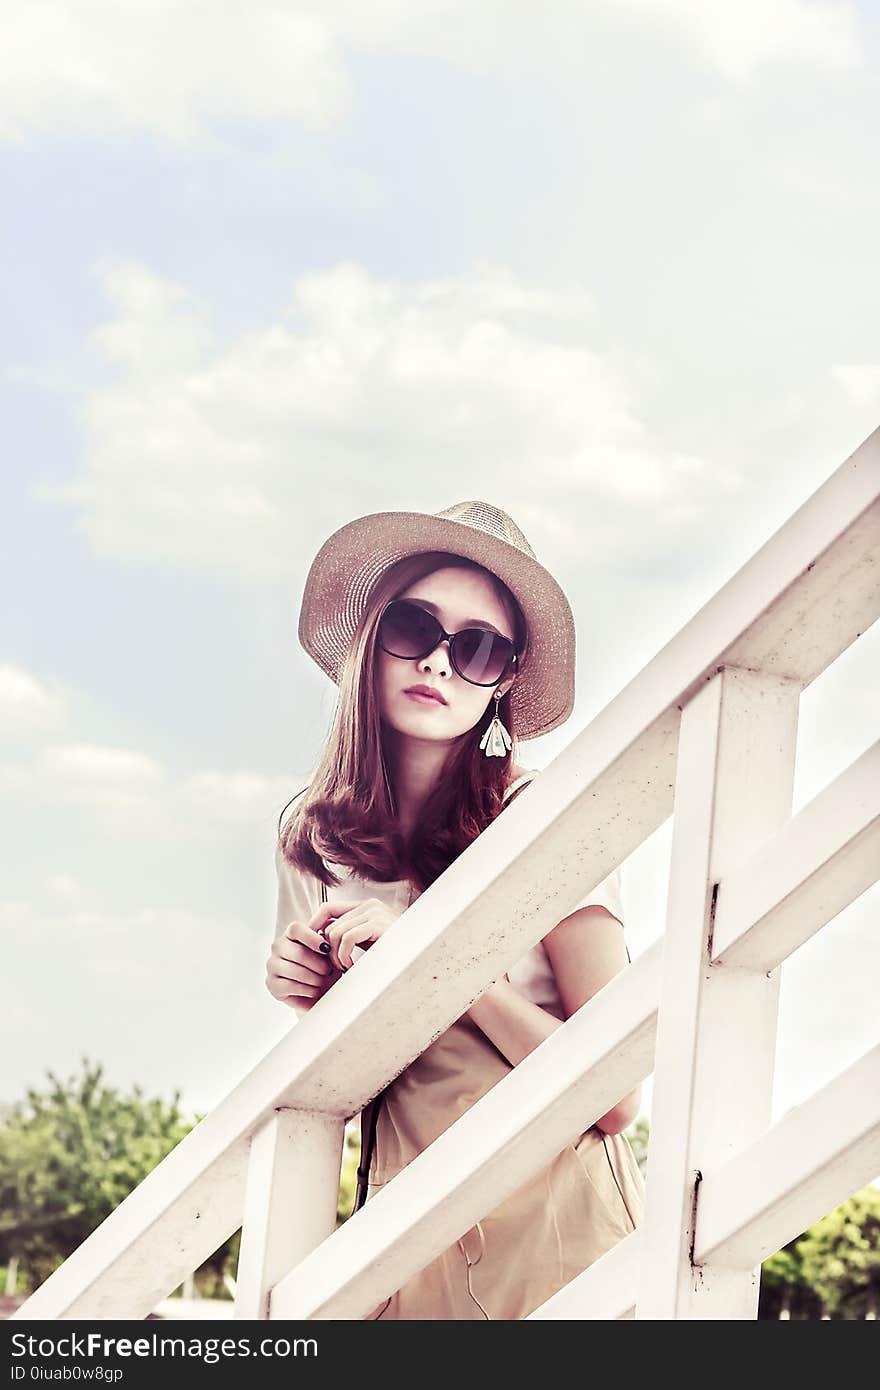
point(299, 892)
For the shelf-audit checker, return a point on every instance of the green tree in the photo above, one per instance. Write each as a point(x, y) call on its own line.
point(351, 1154)
point(784, 1286)
point(68, 1157)
point(71, 1152)
point(840, 1256)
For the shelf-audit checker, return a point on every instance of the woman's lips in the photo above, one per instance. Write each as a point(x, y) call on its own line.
point(425, 699)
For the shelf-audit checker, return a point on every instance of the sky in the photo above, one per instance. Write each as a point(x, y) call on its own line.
point(612, 268)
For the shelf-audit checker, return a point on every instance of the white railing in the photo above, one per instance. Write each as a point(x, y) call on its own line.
point(706, 731)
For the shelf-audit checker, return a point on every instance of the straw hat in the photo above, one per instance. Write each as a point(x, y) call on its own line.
point(352, 560)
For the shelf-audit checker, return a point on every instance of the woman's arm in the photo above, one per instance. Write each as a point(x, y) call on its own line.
point(513, 1023)
point(585, 950)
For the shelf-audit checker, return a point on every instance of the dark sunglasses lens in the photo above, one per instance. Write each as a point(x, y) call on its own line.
point(407, 630)
point(482, 656)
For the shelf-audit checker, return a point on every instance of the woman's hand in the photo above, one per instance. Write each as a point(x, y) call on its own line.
point(298, 972)
point(348, 925)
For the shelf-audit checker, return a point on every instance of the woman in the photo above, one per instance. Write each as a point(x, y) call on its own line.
point(458, 604)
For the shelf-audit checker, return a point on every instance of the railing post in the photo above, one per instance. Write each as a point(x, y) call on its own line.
point(291, 1200)
point(716, 1025)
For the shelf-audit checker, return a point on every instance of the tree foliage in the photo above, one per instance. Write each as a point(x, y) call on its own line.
point(69, 1154)
point(785, 1289)
point(72, 1151)
point(840, 1256)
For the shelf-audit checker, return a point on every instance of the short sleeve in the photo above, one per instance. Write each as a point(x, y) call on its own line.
point(298, 901)
point(607, 894)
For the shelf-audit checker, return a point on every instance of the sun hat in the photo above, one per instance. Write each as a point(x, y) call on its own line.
point(353, 559)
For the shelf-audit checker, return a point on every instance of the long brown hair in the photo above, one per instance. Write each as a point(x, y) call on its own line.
point(347, 814)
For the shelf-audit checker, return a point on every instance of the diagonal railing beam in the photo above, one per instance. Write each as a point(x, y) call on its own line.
point(604, 1291)
point(818, 863)
point(818, 1154)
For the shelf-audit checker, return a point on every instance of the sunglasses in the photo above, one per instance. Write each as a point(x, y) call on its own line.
point(477, 654)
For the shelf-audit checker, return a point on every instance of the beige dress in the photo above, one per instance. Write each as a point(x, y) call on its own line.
point(589, 1197)
point(562, 1219)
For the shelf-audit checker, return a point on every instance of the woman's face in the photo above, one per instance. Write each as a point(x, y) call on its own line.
point(463, 598)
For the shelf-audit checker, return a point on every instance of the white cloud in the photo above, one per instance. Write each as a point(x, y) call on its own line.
point(234, 456)
point(138, 339)
point(65, 889)
point(114, 778)
point(27, 704)
point(235, 798)
point(93, 66)
point(173, 68)
point(740, 38)
point(105, 781)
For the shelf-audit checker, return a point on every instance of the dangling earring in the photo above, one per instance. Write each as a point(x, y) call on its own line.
point(496, 741)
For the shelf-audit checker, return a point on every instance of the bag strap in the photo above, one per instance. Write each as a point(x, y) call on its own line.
point(369, 1120)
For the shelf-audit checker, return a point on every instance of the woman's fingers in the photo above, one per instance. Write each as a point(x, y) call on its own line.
point(282, 987)
point(328, 930)
point(292, 950)
point(296, 972)
point(305, 934)
point(356, 927)
point(292, 970)
point(328, 912)
point(303, 963)
point(314, 936)
point(284, 979)
point(349, 941)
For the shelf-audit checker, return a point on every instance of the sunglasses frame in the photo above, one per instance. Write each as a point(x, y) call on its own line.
point(449, 637)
